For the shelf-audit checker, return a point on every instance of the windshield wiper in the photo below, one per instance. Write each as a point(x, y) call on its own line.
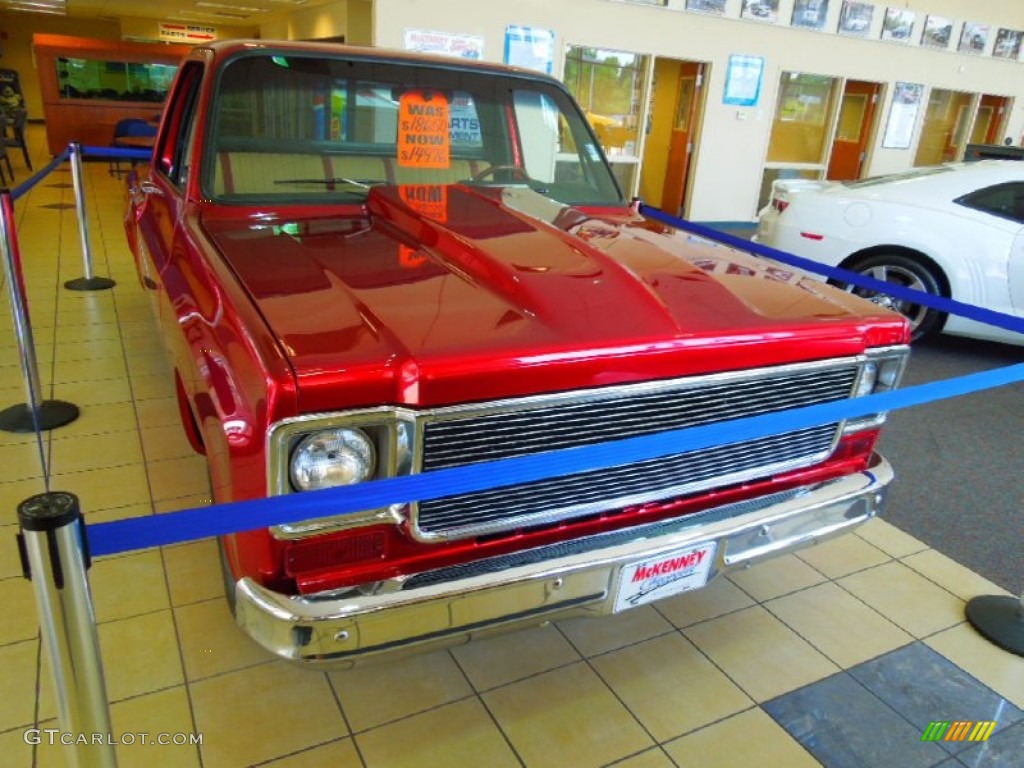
point(361, 183)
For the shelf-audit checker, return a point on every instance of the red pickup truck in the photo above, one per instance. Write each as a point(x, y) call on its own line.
point(369, 264)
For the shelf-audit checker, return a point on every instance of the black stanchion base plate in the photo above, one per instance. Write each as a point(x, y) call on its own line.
point(52, 413)
point(998, 618)
point(89, 284)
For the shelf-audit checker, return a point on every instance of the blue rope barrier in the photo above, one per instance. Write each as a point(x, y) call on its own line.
point(38, 176)
point(191, 524)
point(941, 303)
point(114, 152)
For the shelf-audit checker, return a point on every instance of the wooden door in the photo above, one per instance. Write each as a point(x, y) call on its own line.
point(856, 119)
point(988, 122)
point(680, 146)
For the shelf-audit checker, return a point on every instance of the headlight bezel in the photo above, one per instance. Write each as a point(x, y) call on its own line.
point(391, 431)
point(882, 371)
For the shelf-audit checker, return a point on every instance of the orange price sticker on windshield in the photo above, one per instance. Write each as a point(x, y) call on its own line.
point(423, 130)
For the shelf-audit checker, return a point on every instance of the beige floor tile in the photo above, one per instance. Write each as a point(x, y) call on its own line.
point(92, 332)
point(607, 633)
point(175, 478)
point(95, 369)
point(534, 715)
point(169, 442)
point(159, 412)
point(128, 585)
point(147, 387)
point(759, 653)
point(670, 686)
point(166, 718)
point(17, 753)
point(284, 709)
point(193, 572)
point(153, 364)
point(211, 641)
point(185, 502)
point(906, 598)
point(101, 419)
point(337, 754)
point(107, 488)
point(85, 393)
point(718, 598)
point(10, 562)
point(381, 692)
point(18, 684)
point(140, 655)
point(750, 738)
point(774, 578)
point(459, 734)
point(652, 758)
point(950, 575)
point(842, 556)
point(21, 461)
point(118, 513)
point(504, 658)
point(1000, 670)
point(21, 617)
point(87, 350)
point(80, 454)
point(838, 624)
point(888, 538)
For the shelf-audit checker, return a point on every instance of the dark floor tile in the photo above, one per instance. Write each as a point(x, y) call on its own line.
point(1005, 749)
point(844, 726)
point(924, 686)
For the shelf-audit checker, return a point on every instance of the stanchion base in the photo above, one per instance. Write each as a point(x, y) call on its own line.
point(998, 618)
point(52, 413)
point(89, 284)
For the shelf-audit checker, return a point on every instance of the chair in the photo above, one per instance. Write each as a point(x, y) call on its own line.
point(5, 159)
point(16, 119)
point(129, 127)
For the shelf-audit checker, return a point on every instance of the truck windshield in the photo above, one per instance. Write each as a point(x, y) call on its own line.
point(299, 128)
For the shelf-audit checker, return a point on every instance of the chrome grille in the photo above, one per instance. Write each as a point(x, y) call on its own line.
point(461, 436)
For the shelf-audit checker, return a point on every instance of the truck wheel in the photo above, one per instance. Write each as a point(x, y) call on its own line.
point(906, 271)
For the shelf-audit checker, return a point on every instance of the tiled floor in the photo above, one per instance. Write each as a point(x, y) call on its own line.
point(839, 656)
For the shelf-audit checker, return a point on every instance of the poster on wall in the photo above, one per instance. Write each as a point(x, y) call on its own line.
point(530, 48)
point(855, 18)
point(11, 96)
point(809, 14)
point(445, 43)
point(1008, 42)
point(898, 25)
point(906, 103)
point(760, 10)
point(973, 38)
point(937, 32)
point(743, 80)
point(706, 6)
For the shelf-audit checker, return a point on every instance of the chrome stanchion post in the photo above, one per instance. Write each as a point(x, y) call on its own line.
point(37, 413)
point(1000, 618)
point(52, 543)
point(88, 282)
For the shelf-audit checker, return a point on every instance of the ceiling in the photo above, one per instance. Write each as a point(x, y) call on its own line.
point(243, 13)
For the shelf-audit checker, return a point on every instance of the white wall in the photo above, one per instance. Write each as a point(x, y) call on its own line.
point(734, 141)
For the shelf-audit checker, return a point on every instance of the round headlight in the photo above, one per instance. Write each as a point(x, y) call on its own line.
point(331, 458)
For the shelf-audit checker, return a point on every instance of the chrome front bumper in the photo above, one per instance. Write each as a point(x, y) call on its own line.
point(574, 579)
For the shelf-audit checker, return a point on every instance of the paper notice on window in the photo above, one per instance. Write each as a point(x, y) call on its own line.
point(424, 130)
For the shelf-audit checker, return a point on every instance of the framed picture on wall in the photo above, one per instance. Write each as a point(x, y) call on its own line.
point(938, 30)
point(809, 14)
point(973, 38)
point(716, 7)
point(760, 10)
point(855, 18)
point(898, 25)
point(1007, 45)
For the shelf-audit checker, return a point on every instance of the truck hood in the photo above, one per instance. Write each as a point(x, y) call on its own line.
point(430, 290)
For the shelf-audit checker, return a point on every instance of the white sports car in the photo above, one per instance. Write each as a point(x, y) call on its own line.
point(955, 230)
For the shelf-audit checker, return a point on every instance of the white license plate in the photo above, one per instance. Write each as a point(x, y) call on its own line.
point(670, 574)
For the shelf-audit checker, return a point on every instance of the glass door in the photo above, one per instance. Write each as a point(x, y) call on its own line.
point(947, 123)
point(610, 85)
